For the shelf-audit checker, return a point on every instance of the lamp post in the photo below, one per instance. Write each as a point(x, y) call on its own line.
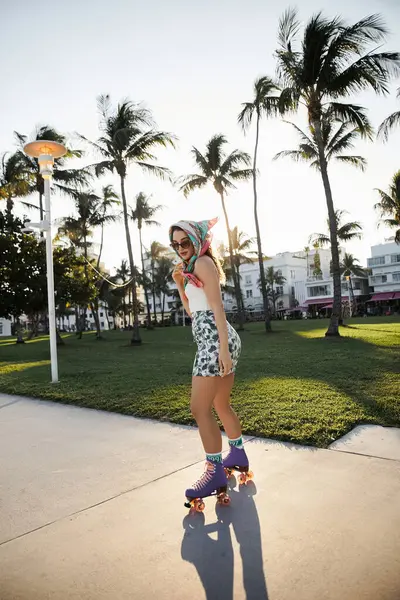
point(46, 151)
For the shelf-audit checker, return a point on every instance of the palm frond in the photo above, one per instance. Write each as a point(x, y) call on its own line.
point(189, 183)
point(245, 116)
point(356, 161)
point(349, 231)
point(345, 142)
point(352, 114)
point(161, 172)
point(104, 166)
point(369, 71)
point(202, 162)
point(319, 238)
point(388, 125)
point(236, 158)
point(241, 174)
point(288, 29)
point(215, 155)
point(296, 155)
point(303, 136)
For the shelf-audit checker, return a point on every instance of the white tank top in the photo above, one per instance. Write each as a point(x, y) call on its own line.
point(197, 298)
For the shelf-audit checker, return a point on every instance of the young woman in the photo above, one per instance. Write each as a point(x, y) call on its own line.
point(198, 279)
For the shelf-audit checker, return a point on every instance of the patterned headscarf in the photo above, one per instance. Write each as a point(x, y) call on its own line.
point(201, 237)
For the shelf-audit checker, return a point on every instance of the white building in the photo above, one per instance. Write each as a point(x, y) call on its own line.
point(5, 327)
point(290, 265)
point(385, 278)
point(316, 292)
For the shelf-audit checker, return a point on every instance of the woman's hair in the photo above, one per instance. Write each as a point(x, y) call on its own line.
point(215, 258)
point(213, 255)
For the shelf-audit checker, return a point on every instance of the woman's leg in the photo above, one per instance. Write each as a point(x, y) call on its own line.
point(204, 390)
point(222, 404)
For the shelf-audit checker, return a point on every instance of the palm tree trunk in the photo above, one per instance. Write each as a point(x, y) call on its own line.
point(333, 329)
point(267, 316)
point(146, 291)
point(153, 285)
point(163, 309)
point(9, 205)
point(101, 246)
point(129, 306)
point(92, 307)
point(232, 261)
point(136, 339)
point(242, 307)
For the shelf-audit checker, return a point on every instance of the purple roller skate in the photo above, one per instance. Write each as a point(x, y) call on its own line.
point(213, 482)
point(237, 461)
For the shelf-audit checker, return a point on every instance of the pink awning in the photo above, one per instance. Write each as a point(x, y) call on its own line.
point(382, 297)
point(396, 296)
point(327, 301)
point(327, 306)
point(318, 301)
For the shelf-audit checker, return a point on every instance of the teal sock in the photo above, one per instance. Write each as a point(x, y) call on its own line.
point(214, 458)
point(238, 443)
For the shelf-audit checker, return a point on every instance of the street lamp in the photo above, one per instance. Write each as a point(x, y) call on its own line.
point(46, 151)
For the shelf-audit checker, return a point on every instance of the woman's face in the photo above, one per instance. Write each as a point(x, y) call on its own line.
point(182, 244)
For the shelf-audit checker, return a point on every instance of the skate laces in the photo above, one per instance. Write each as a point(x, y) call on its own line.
point(206, 477)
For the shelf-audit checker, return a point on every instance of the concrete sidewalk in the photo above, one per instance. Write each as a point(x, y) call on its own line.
point(92, 508)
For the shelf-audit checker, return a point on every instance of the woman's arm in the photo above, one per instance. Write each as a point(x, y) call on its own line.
point(180, 284)
point(206, 271)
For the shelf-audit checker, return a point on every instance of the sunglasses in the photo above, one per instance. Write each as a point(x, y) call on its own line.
point(185, 245)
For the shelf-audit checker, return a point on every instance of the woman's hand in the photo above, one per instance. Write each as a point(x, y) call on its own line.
point(177, 275)
point(225, 363)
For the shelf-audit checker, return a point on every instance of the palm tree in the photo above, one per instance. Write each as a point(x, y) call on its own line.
point(79, 229)
point(242, 254)
point(163, 276)
point(128, 137)
point(333, 61)
point(63, 179)
point(143, 214)
point(155, 254)
point(108, 200)
point(346, 232)
point(389, 206)
point(221, 171)
point(123, 274)
point(264, 104)
point(273, 278)
point(14, 179)
point(389, 123)
point(349, 266)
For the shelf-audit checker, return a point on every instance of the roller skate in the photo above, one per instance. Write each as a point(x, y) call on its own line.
point(213, 482)
point(237, 461)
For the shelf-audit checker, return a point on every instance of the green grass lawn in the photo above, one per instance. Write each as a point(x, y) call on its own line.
point(292, 385)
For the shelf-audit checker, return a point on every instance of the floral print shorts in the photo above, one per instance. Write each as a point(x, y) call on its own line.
point(206, 336)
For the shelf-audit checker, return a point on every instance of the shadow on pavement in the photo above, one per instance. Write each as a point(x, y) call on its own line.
point(209, 547)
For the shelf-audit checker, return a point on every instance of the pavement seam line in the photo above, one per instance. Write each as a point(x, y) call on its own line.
point(366, 455)
point(77, 512)
point(9, 404)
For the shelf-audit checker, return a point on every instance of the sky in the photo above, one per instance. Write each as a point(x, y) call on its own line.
point(192, 64)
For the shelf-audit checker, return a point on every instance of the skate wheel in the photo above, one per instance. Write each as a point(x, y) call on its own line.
point(228, 472)
point(242, 478)
point(224, 499)
point(200, 507)
point(250, 475)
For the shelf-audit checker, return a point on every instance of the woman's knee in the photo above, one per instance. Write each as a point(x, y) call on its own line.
point(222, 406)
point(199, 409)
